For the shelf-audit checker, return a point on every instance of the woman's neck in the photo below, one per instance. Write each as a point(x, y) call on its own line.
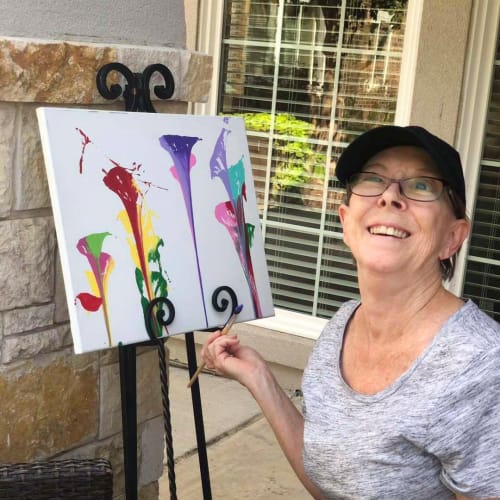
point(390, 310)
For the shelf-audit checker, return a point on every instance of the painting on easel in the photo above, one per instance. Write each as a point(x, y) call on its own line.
point(152, 205)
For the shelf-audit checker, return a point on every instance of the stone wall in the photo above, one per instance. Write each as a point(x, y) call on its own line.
point(56, 404)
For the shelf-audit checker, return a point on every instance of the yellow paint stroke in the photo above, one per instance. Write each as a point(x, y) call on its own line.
point(94, 288)
point(149, 238)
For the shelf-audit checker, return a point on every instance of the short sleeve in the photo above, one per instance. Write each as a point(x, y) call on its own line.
point(464, 433)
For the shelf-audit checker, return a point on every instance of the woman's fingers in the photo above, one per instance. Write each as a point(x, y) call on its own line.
point(222, 346)
point(212, 337)
point(217, 348)
point(208, 342)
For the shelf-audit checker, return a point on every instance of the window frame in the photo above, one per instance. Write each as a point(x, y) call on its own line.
point(476, 91)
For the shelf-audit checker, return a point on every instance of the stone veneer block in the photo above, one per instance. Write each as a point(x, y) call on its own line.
point(47, 409)
point(19, 347)
point(152, 446)
point(64, 72)
point(110, 419)
point(30, 179)
point(192, 71)
point(28, 318)
point(148, 394)
point(7, 148)
point(149, 492)
point(148, 378)
point(50, 71)
point(173, 107)
point(108, 356)
point(61, 304)
point(197, 77)
point(27, 262)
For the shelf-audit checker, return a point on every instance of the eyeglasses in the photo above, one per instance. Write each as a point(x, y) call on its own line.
point(414, 188)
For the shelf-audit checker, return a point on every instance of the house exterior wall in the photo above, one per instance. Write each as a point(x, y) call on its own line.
point(440, 66)
point(156, 22)
point(192, 11)
point(56, 404)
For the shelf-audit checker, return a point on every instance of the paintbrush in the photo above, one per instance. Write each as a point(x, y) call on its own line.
point(225, 331)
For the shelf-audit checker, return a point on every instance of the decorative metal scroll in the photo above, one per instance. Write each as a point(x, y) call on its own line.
point(136, 92)
point(159, 316)
point(220, 303)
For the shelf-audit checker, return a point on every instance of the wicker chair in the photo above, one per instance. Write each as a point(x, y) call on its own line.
point(82, 479)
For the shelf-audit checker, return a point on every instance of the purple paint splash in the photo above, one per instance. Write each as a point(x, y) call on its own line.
point(179, 148)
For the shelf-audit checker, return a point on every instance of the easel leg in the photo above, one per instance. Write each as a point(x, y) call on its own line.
point(127, 357)
point(167, 423)
point(198, 418)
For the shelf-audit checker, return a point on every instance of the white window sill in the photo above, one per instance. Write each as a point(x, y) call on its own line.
point(293, 323)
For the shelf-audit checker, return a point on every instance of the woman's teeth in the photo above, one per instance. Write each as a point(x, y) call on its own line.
point(389, 231)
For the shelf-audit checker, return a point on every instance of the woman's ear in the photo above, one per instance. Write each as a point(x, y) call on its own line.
point(343, 208)
point(343, 216)
point(457, 234)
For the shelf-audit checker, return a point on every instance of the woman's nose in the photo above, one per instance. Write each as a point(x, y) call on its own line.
point(393, 195)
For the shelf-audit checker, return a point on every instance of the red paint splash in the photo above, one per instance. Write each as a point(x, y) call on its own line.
point(85, 142)
point(120, 181)
point(89, 302)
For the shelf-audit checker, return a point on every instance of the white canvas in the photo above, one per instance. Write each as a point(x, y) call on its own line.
point(193, 224)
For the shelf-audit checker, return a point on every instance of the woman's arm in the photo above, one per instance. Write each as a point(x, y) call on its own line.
point(230, 358)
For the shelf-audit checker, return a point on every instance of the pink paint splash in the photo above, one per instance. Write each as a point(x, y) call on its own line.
point(101, 265)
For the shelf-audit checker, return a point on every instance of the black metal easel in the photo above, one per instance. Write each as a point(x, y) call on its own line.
point(137, 98)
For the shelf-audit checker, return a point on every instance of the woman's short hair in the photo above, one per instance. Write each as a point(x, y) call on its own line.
point(458, 207)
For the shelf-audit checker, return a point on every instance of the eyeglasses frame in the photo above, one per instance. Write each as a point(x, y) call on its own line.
point(397, 181)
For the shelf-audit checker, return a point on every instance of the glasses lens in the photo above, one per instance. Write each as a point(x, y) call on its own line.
point(367, 184)
point(422, 188)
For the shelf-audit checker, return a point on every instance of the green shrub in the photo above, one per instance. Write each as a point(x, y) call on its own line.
point(295, 161)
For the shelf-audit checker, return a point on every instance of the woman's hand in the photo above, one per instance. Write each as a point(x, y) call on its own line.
point(227, 356)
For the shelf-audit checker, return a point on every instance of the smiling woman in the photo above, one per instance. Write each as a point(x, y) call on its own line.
point(403, 386)
point(438, 173)
point(427, 217)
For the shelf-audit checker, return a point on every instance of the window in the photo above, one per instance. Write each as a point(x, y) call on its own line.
point(482, 278)
point(308, 76)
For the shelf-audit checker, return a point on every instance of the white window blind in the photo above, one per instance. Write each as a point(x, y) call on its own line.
point(308, 76)
point(482, 278)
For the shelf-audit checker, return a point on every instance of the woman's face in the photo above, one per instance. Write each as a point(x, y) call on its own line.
point(391, 233)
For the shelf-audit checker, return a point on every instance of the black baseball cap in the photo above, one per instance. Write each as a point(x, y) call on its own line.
point(374, 141)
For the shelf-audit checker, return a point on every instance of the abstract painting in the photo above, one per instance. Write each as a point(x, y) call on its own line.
point(152, 205)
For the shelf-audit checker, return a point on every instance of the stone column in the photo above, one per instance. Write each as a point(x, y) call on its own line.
point(56, 404)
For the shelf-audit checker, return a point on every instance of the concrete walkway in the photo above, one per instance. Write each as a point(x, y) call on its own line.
point(244, 457)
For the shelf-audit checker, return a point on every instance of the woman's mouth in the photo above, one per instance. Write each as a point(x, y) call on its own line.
point(389, 231)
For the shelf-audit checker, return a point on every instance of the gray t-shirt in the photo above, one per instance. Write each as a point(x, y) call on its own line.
point(432, 433)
